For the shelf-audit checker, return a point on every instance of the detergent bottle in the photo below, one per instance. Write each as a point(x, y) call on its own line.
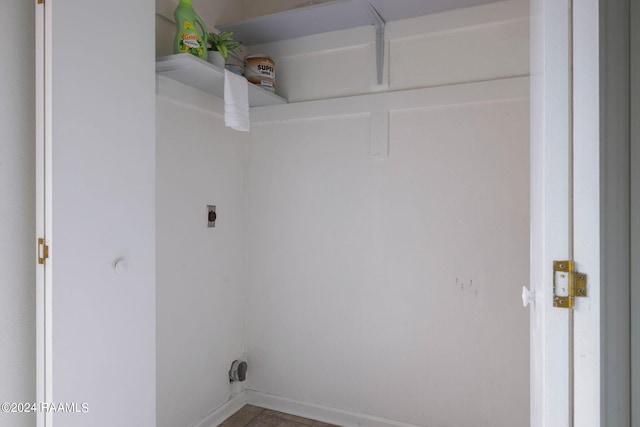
point(188, 38)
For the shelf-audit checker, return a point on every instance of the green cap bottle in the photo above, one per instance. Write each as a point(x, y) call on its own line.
point(188, 38)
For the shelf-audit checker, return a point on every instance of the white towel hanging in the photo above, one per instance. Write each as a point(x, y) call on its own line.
point(236, 102)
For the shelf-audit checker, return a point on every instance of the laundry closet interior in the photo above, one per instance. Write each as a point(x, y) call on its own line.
point(372, 232)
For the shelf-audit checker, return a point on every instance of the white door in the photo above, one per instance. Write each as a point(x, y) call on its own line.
point(96, 211)
point(579, 210)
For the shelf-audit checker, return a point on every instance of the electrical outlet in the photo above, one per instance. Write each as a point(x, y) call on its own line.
point(211, 216)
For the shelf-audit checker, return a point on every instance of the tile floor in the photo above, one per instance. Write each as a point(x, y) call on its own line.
point(254, 416)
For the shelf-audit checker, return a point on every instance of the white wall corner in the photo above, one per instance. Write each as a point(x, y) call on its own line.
point(218, 416)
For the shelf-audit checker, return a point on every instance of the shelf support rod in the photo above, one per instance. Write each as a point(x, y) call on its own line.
point(378, 23)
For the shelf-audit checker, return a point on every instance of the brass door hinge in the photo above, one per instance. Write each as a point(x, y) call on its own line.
point(43, 251)
point(567, 284)
point(40, 1)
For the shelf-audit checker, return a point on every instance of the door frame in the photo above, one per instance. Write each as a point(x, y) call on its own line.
point(43, 134)
point(597, 129)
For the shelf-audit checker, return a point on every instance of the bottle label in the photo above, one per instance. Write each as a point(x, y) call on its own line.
point(190, 41)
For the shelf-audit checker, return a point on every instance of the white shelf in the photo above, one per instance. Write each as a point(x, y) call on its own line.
point(321, 18)
point(299, 22)
point(334, 15)
point(337, 15)
point(192, 71)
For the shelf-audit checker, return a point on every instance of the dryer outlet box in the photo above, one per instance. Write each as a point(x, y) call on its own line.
point(211, 216)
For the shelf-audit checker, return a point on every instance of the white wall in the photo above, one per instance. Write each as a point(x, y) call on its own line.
point(380, 287)
point(201, 287)
point(391, 287)
point(17, 210)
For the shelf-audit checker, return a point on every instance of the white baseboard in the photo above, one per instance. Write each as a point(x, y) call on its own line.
point(302, 409)
point(318, 412)
point(232, 406)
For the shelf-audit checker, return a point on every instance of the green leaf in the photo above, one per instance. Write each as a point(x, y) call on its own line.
point(223, 43)
point(225, 35)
